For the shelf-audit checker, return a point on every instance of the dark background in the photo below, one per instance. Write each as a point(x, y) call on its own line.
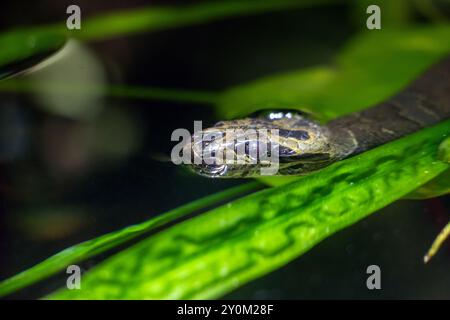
point(50, 201)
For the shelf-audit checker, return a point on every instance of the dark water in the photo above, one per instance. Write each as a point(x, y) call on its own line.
point(66, 178)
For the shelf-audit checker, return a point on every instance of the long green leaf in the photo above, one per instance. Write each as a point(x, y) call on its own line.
point(371, 68)
point(207, 256)
point(103, 243)
point(439, 185)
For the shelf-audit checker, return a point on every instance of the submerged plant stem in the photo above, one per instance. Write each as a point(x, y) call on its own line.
point(442, 236)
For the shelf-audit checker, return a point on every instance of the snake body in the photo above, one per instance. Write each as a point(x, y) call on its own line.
point(304, 145)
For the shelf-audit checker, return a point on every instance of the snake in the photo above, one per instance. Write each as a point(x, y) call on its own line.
point(305, 145)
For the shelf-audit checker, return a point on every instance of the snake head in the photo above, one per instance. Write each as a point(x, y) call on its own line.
point(229, 149)
point(276, 143)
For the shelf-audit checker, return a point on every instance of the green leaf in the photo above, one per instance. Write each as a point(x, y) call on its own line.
point(209, 255)
point(105, 242)
point(434, 188)
point(293, 90)
point(375, 66)
point(23, 49)
point(370, 69)
point(444, 151)
point(439, 185)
